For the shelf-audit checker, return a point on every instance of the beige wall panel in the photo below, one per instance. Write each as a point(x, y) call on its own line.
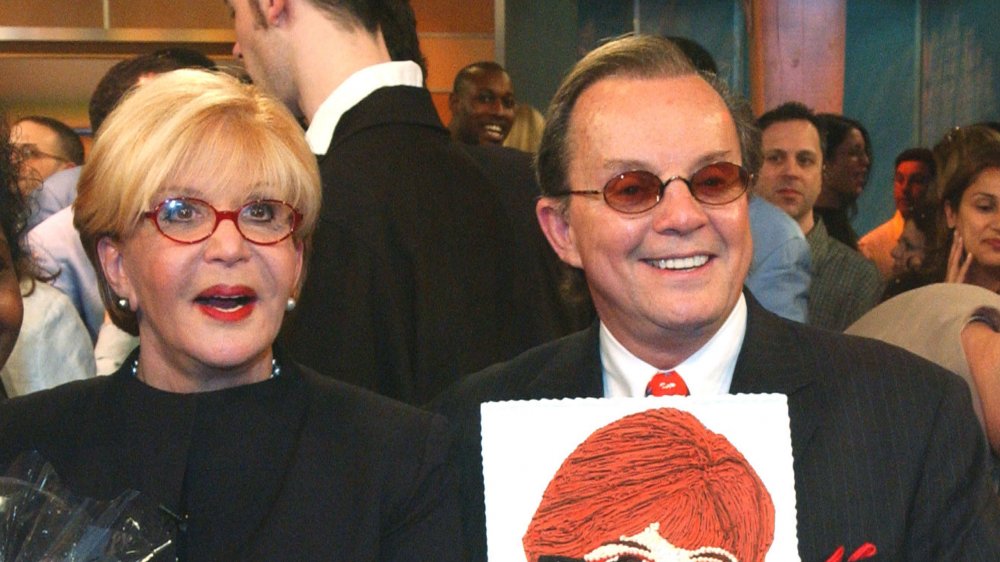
point(52, 13)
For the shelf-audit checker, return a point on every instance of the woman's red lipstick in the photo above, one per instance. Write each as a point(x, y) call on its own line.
point(227, 303)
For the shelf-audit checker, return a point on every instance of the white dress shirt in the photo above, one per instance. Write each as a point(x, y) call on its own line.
point(707, 372)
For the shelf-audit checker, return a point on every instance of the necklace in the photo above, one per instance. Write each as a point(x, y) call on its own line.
point(275, 368)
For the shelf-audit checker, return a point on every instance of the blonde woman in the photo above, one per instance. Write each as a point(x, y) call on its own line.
point(196, 208)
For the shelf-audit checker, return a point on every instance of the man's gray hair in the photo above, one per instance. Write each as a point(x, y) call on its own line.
point(636, 56)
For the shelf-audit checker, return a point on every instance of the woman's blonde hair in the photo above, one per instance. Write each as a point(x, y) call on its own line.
point(526, 130)
point(183, 125)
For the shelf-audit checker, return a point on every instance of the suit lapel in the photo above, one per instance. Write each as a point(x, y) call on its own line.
point(771, 360)
point(390, 104)
point(574, 371)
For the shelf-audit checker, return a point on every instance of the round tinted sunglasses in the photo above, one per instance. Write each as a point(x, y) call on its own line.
point(637, 191)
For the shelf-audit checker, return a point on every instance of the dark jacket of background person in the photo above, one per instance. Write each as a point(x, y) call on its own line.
point(560, 298)
point(418, 275)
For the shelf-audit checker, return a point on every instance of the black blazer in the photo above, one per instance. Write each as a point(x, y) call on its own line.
point(560, 300)
point(886, 447)
point(417, 275)
point(300, 467)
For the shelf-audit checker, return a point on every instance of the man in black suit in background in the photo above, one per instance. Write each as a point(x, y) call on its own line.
point(644, 167)
point(418, 274)
point(482, 107)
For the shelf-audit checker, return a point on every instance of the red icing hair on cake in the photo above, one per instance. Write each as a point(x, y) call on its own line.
point(658, 466)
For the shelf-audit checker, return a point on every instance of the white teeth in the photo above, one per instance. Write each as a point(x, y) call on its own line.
point(680, 263)
point(493, 128)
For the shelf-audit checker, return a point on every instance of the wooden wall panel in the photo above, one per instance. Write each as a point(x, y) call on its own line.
point(453, 33)
point(52, 13)
point(454, 16)
point(174, 14)
point(797, 53)
point(447, 55)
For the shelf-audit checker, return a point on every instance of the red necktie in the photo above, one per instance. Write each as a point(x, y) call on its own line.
point(667, 384)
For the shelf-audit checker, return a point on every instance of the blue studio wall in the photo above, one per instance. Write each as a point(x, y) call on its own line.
point(913, 68)
point(913, 71)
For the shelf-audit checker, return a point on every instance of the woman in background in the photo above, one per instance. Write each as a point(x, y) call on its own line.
point(955, 320)
point(13, 215)
point(43, 341)
point(526, 129)
point(196, 208)
point(955, 325)
point(969, 191)
point(847, 159)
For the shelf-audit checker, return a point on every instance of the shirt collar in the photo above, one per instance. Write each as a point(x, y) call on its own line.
point(351, 91)
point(707, 372)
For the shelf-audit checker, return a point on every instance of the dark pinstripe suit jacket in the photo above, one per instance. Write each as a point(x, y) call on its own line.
point(886, 448)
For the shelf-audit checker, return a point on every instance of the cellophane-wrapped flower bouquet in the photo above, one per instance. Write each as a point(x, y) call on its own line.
point(40, 520)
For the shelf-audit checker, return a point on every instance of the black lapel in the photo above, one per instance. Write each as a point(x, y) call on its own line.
point(572, 372)
point(389, 105)
point(773, 360)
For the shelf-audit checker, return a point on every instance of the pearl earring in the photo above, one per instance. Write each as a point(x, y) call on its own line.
point(290, 304)
point(123, 303)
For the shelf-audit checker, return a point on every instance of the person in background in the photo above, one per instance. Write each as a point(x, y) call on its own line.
point(13, 215)
point(526, 130)
point(848, 158)
point(969, 191)
point(55, 243)
point(482, 104)
point(911, 250)
point(844, 285)
point(55, 194)
point(914, 173)
point(46, 146)
point(953, 317)
point(51, 153)
point(957, 326)
point(781, 269)
point(432, 272)
point(959, 203)
point(46, 341)
point(196, 208)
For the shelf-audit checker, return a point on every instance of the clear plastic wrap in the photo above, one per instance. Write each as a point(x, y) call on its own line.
point(41, 520)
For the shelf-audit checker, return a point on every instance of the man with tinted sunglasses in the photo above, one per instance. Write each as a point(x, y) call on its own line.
point(644, 168)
